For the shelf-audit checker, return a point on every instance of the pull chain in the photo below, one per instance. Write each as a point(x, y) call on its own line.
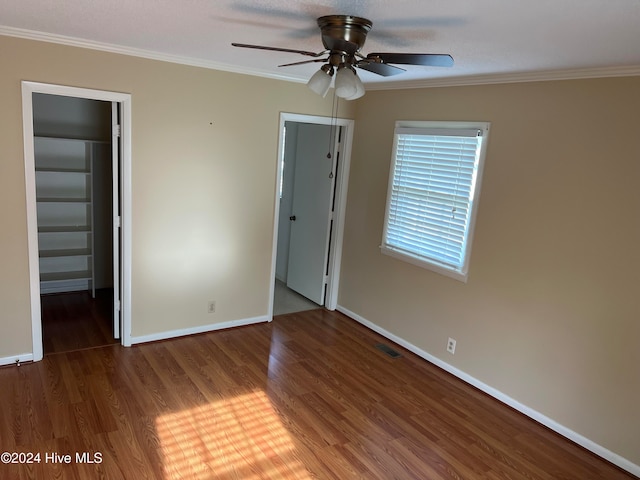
point(332, 131)
point(334, 121)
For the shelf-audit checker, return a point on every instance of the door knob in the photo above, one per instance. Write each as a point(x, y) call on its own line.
point(292, 218)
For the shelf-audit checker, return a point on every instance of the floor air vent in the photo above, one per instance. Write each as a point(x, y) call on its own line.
point(388, 350)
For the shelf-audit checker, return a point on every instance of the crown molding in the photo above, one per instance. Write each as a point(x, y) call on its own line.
point(138, 52)
point(537, 76)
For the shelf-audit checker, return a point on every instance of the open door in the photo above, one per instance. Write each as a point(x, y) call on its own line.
point(116, 224)
point(312, 212)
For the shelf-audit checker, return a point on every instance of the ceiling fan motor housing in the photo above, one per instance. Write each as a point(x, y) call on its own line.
point(344, 34)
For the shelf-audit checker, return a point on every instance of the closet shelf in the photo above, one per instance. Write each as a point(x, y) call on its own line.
point(62, 276)
point(71, 252)
point(64, 194)
point(65, 229)
point(72, 139)
point(63, 200)
point(76, 171)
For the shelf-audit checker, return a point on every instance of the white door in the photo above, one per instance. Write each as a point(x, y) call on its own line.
point(311, 212)
point(115, 164)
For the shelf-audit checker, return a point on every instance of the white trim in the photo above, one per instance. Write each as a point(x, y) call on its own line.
point(500, 78)
point(454, 128)
point(12, 360)
point(426, 263)
point(339, 215)
point(28, 89)
point(32, 221)
point(154, 337)
point(116, 180)
point(138, 52)
point(498, 395)
point(342, 183)
point(488, 79)
point(126, 224)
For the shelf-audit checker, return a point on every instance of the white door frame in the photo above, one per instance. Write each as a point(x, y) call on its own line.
point(116, 177)
point(124, 99)
point(342, 181)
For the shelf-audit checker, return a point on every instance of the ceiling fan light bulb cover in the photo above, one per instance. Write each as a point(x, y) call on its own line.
point(346, 83)
point(359, 89)
point(320, 82)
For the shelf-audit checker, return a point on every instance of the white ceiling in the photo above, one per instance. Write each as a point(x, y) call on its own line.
point(490, 40)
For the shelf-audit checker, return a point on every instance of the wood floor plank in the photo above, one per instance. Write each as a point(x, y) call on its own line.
point(76, 320)
point(307, 396)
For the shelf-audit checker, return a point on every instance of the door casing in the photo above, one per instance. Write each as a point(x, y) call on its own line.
point(124, 99)
point(342, 181)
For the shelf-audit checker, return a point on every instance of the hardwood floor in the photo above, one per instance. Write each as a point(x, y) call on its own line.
point(74, 321)
point(307, 396)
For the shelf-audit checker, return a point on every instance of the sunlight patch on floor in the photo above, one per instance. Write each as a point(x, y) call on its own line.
point(236, 437)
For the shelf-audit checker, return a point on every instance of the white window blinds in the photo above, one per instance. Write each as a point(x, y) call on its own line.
point(431, 195)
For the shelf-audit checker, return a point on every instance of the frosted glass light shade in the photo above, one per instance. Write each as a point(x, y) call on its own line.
point(320, 82)
point(359, 89)
point(346, 83)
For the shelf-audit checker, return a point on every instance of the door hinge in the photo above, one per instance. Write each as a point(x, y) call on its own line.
point(117, 305)
point(116, 130)
point(117, 222)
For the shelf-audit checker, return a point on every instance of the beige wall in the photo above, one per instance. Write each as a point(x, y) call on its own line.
point(550, 315)
point(204, 157)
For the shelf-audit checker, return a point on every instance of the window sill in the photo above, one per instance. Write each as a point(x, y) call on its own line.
point(427, 265)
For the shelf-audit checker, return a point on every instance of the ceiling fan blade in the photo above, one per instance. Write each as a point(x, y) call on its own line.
point(278, 49)
point(303, 62)
point(425, 59)
point(380, 68)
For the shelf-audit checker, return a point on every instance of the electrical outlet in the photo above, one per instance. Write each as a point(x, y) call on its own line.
point(212, 306)
point(451, 346)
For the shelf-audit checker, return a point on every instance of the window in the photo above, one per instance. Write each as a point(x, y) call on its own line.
point(434, 183)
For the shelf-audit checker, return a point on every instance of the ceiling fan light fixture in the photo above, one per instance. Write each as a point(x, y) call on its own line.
point(346, 82)
point(359, 90)
point(343, 37)
point(320, 82)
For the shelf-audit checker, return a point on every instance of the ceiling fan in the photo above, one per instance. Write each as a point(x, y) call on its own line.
point(343, 37)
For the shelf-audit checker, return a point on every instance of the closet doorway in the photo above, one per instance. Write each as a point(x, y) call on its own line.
point(74, 175)
point(313, 171)
point(76, 169)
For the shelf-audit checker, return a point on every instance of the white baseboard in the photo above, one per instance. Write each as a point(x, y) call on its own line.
point(21, 358)
point(28, 357)
point(201, 329)
point(498, 395)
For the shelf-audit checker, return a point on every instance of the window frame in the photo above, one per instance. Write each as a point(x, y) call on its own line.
point(458, 273)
